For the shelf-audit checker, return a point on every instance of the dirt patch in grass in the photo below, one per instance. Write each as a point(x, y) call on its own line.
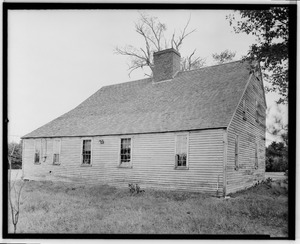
point(52, 207)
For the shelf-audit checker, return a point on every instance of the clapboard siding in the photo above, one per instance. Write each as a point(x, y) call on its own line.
point(250, 132)
point(153, 162)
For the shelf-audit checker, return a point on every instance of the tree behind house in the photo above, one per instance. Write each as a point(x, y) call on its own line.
point(276, 157)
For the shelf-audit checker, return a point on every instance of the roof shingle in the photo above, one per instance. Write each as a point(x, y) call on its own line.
point(197, 99)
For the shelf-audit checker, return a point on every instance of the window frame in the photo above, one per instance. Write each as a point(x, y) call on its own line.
point(129, 164)
point(44, 150)
point(186, 167)
point(35, 144)
point(81, 152)
point(59, 149)
point(237, 153)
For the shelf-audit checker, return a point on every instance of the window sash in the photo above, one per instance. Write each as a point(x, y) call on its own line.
point(86, 151)
point(125, 150)
point(37, 151)
point(56, 151)
point(44, 149)
point(181, 151)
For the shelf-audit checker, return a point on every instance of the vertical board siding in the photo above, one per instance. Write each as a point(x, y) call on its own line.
point(250, 132)
point(153, 162)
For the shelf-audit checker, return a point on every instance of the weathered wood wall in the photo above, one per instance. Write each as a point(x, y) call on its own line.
point(153, 161)
point(250, 132)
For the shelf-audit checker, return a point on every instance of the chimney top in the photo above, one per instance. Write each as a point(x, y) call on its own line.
point(167, 51)
point(166, 64)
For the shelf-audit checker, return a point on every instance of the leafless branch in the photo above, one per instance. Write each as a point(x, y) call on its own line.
point(14, 206)
point(183, 35)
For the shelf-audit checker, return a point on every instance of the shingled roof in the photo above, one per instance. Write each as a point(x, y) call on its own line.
point(198, 99)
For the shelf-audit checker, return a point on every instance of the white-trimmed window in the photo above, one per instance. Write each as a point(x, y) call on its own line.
point(56, 151)
point(256, 156)
point(236, 153)
point(37, 151)
point(86, 152)
point(181, 151)
point(126, 152)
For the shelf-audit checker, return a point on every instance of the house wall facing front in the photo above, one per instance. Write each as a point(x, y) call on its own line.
point(153, 161)
point(251, 132)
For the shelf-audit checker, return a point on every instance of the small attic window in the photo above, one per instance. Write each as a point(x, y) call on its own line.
point(244, 110)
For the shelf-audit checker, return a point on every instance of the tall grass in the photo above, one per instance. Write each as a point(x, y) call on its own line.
point(48, 207)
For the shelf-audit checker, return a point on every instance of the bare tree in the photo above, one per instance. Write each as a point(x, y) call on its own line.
point(223, 57)
point(14, 194)
point(190, 62)
point(153, 33)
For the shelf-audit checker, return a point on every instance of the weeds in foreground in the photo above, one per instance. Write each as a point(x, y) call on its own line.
point(69, 208)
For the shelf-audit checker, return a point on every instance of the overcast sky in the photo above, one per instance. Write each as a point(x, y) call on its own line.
point(58, 58)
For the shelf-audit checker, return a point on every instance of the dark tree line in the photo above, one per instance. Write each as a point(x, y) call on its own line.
point(277, 157)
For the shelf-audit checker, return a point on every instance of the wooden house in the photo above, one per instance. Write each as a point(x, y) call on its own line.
point(201, 130)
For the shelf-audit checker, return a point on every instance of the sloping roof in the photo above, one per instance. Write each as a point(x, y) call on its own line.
point(197, 99)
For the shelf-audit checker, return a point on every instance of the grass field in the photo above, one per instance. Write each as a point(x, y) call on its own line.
point(48, 207)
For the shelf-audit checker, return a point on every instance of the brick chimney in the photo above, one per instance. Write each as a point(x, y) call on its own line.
point(166, 64)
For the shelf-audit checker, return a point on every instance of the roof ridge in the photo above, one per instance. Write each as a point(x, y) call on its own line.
point(126, 82)
point(240, 60)
point(182, 71)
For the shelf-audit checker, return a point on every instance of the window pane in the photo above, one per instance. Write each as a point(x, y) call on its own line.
point(86, 145)
point(86, 151)
point(37, 151)
point(37, 157)
point(181, 150)
point(125, 150)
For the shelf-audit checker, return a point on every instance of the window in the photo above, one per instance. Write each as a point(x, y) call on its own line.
point(244, 110)
point(256, 157)
point(86, 152)
point(181, 151)
point(236, 159)
point(44, 150)
point(37, 151)
point(56, 151)
point(125, 152)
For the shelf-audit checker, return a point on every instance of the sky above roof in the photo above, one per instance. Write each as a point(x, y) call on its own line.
point(58, 58)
